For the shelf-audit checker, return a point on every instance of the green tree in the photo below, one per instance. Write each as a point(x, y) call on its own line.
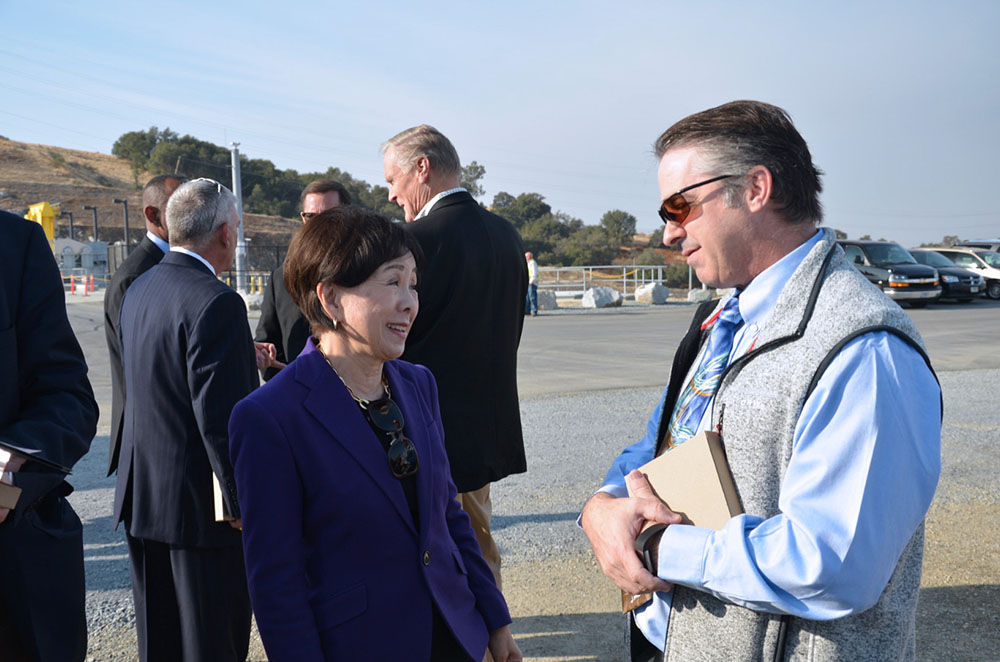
point(469, 180)
point(541, 235)
point(137, 146)
point(571, 222)
point(619, 225)
point(192, 158)
point(520, 210)
point(647, 256)
point(839, 234)
point(588, 245)
point(675, 274)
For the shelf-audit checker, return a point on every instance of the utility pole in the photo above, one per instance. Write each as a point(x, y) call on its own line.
point(241, 242)
point(93, 209)
point(123, 201)
point(72, 235)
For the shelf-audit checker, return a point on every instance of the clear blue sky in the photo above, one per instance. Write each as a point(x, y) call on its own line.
point(899, 101)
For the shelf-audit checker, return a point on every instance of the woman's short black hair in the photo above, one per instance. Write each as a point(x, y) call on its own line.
point(342, 246)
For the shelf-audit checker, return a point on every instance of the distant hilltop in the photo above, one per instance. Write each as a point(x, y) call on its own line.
point(73, 178)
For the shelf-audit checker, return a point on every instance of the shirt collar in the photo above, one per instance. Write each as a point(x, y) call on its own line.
point(430, 203)
point(757, 301)
point(181, 249)
point(162, 245)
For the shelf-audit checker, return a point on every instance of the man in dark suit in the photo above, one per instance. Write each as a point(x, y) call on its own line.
point(472, 293)
point(188, 359)
point(281, 322)
point(46, 404)
point(147, 254)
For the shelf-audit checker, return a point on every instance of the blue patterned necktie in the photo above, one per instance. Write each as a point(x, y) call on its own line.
point(697, 395)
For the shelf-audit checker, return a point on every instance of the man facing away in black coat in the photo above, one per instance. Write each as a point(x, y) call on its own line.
point(143, 257)
point(471, 313)
point(46, 405)
point(188, 359)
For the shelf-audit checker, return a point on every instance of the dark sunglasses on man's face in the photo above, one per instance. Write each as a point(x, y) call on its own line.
point(307, 215)
point(402, 454)
point(676, 208)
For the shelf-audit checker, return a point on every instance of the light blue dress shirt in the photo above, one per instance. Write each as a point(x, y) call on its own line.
point(865, 463)
point(162, 245)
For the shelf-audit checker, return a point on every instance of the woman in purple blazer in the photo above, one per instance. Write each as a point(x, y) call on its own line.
point(355, 546)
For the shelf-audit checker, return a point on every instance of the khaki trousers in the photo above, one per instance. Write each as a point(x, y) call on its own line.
point(479, 508)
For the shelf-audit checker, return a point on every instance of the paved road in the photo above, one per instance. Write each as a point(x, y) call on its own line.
point(578, 350)
point(588, 381)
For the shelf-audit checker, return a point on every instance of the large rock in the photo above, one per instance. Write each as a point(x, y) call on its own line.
point(652, 293)
point(699, 296)
point(601, 297)
point(547, 300)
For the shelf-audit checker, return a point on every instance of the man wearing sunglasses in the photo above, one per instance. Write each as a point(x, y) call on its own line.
point(827, 407)
point(281, 322)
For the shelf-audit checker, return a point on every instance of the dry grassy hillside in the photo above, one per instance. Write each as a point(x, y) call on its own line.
point(36, 173)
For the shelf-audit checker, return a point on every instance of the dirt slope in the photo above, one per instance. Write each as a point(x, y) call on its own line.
point(35, 173)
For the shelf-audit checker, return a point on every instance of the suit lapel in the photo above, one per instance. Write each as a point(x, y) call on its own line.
point(406, 394)
point(332, 406)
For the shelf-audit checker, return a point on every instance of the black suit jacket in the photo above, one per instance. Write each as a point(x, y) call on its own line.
point(281, 322)
point(467, 332)
point(188, 359)
point(143, 258)
point(46, 404)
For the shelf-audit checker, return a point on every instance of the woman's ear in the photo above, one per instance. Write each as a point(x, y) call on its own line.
point(329, 299)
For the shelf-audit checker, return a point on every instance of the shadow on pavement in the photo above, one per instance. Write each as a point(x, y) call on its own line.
point(570, 636)
point(498, 522)
point(958, 623)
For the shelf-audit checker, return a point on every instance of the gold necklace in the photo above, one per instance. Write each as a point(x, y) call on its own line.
point(361, 401)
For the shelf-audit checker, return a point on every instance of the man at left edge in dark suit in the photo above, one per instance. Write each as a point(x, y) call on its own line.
point(188, 359)
point(145, 256)
point(46, 404)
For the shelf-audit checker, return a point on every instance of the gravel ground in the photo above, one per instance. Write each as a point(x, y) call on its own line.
point(563, 607)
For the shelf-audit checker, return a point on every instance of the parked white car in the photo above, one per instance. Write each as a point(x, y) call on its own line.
point(977, 260)
point(988, 244)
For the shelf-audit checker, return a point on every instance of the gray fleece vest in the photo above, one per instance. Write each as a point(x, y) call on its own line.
point(825, 303)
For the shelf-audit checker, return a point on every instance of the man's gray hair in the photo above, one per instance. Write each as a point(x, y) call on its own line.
point(424, 140)
point(197, 209)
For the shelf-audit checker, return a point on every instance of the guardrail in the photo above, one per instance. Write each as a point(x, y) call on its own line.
point(574, 281)
point(563, 281)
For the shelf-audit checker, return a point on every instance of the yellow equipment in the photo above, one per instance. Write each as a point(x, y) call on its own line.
point(45, 215)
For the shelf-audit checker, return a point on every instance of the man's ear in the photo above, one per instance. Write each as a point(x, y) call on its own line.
point(423, 166)
point(758, 188)
point(225, 237)
point(154, 217)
